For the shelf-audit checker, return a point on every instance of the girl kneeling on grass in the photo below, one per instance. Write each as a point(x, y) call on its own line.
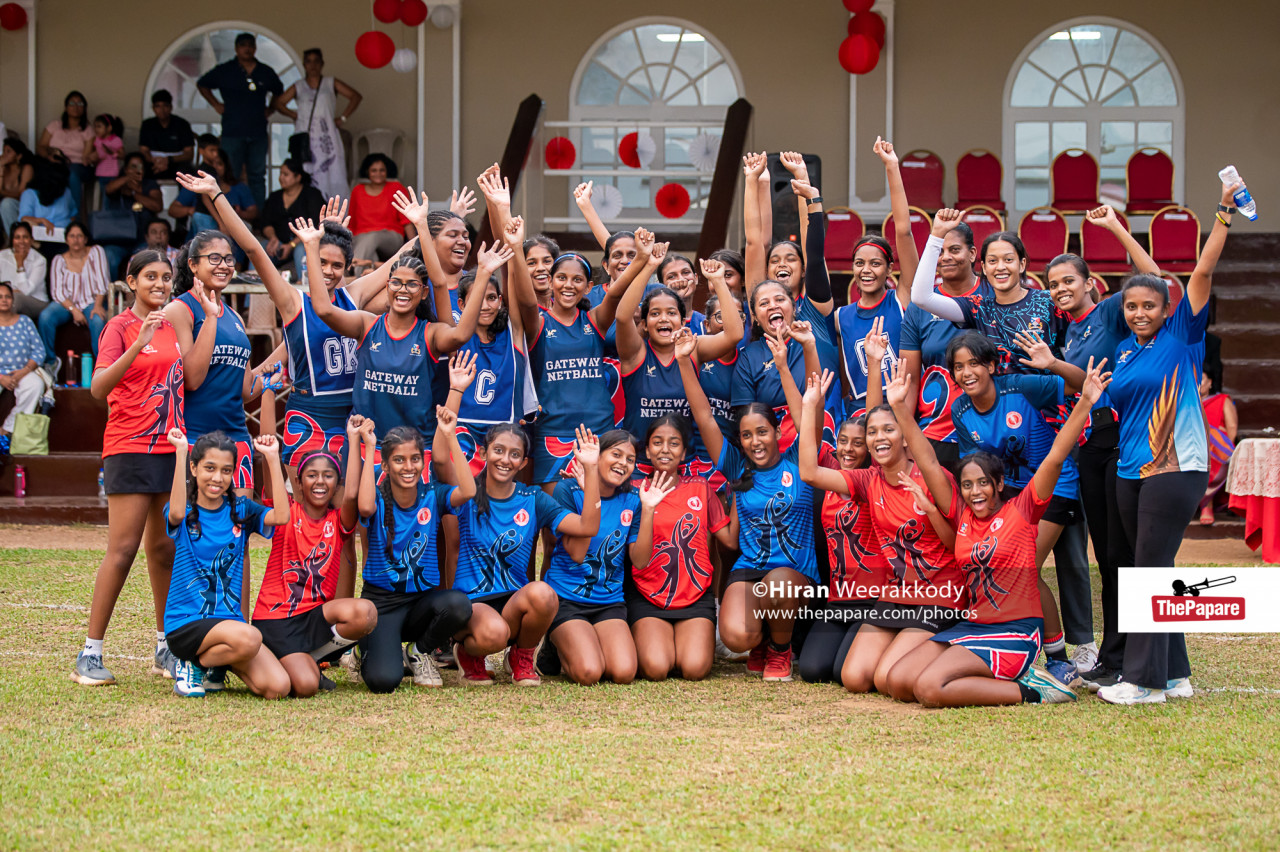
point(987, 659)
point(305, 611)
point(210, 526)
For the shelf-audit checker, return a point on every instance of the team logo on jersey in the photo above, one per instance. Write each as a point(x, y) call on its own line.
point(649, 371)
point(627, 515)
point(1035, 325)
point(236, 530)
point(999, 522)
point(768, 365)
point(424, 515)
point(973, 433)
point(1124, 356)
point(375, 346)
point(1088, 331)
point(522, 518)
point(786, 479)
point(551, 332)
point(964, 528)
point(328, 529)
point(706, 368)
point(148, 350)
point(695, 504)
point(1013, 420)
point(416, 350)
point(588, 330)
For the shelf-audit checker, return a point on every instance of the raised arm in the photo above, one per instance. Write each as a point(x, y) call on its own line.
point(604, 314)
point(445, 338)
point(367, 501)
point(813, 234)
point(1202, 277)
point(652, 492)
point(808, 432)
point(462, 372)
point(713, 346)
point(1142, 262)
point(922, 292)
point(686, 344)
point(587, 524)
point(908, 257)
point(582, 197)
point(445, 444)
point(268, 446)
point(874, 345)
point(408, 206)
point(195, 354)
point(901, 395)
point(497, 197)
point(351, 324)
point(630, 342)
point(756, 252)
point(1040, 356)
point(178, 490)
point(1095, 384)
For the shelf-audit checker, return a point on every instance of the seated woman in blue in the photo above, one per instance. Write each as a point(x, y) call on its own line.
point(204, 615)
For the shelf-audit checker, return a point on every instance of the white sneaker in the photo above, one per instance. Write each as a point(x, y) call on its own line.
point(723, 652)
point(1130, 693)
point(1178, 688)
point(351, 662)
point(423, 667)
point(1085, 657)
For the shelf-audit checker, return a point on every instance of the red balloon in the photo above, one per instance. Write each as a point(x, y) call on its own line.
point(627, 150)
point(375, 49)
point(859, 54)
point(387, 11)
point(857, 7)
point(413, 12)
point(868, 24)
point(13, 16)
point(560, 153)
point(672, 201)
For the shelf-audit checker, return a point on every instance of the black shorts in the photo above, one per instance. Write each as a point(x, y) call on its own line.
point(638, 607)
point(498, 602)
point(138, 473)
point(1062, 510)
point(745, 575)
point(185, 641)
point(590, 613)
point(297, 634)
point(896, 616)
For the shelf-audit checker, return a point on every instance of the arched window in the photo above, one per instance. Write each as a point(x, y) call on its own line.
point(659, 76)
point(185, 60)
point(1093, 83)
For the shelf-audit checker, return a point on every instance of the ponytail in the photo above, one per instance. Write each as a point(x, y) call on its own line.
point(183, 276)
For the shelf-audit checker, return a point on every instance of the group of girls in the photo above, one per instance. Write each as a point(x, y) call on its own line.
point(669, 465)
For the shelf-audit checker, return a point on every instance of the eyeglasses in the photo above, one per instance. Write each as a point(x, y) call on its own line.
point(75, 103)
point(218, 259)
point(395, 284)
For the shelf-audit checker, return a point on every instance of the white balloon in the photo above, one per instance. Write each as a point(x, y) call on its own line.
point(404, 60)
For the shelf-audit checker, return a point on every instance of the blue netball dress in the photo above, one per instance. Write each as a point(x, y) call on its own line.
point(494, 548)
point(502, 391)
point(597, 579)
point(853, 322)
point(413, 565)
point(652, 390)
point(755, 379)
point(716, 378)
point(218, 404)
point(394, 381)
point(776, 515)
point(569, 373)
point(322, 369)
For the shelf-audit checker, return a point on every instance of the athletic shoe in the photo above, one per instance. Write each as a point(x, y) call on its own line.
point(723, 653)
point(326, 685)
point(424, 670)
point(472, 668)
point(1179, 687)
point(1130, 693)
point(1049, 689)
point(496, 662)
point(351, 662)
point(756, 659)
point(1100, 676)
point(188, 679)
point(91, 672)
point(443, 658)
point(215, 679)
point(161, 664)
point(549, 663)
point(519, 661)
point(1063, 672)
point(1085, 657)
point(777, 665)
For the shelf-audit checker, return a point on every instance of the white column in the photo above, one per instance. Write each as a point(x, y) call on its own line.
point(880, 204)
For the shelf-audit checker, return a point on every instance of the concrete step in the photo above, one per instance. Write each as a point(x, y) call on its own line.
point(1252, 376)
point(63, 475)
point(53, 510)
point(1225, 525)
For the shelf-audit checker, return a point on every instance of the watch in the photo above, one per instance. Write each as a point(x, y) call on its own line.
point(817, 199)
point(1222, 208)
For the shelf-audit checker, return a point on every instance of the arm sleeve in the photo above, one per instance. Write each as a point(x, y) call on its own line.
point(98, 287)
point(922, 292)
point(1188, 327)
point(566, 493)
point(110, 345)
point(27, 203)
point(209, 80)
point(730, 461)
point(35, 346)
point(817, 283)
point(857, 482)
point(633, 531)
point(443, 496)
point(1044, 392)
point(909, 333)
point(56, 283)
point(253, 514)
point(550, 512)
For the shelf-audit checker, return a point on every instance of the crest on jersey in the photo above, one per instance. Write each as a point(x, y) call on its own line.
point(551, 332)
point(587, 329)
point(627, 515)
point(786, 479)
point(148, 350)
point(768, 365)
point(650, 370)
point(375, 346)
point(328, 529)
point(522, 518)
point(997, 524)
point(416, 350)
point(1035, 325)
point(1124, 356)
point(964, 528)
point(424, 515)
point(236, 530)
point(706, 368)
point(1013, 420)
point(695, 503)
point(974, 434)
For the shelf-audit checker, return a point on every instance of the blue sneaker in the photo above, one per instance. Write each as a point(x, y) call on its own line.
point(90, 671)
point(1178, 688)
point(188, 679)
point(1064, 672)
point(215, 679)
point(1130, 693)
point(1048, 688)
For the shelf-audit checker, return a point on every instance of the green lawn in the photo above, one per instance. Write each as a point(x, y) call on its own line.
point(727, 763)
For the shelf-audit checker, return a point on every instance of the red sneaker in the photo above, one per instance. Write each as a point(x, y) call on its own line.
point(756, 659)
point(777, 665)
point(472, 668)
point(520, 664)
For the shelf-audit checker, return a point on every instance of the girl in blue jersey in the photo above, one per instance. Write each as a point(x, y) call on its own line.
point(1164, 452)
point(590, 630)
point(872, 263)
point(1095, 332)
point(445, 246)
point(716, 376)
point(401, 569)
point(204, 622)
point(675, 272)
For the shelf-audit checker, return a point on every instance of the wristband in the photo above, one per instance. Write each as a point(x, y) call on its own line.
point(1222, 208)
point(1224, 222)
point(817, 199)
point(219, 195)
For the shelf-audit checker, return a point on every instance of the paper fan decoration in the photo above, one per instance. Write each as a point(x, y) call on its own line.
point(607, 199)
point(672, 201)
point(637, 150)
point(560, 153)
point(703, 150)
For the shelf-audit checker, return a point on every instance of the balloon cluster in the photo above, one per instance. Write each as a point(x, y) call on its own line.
point(375, 49)
point(860, 52)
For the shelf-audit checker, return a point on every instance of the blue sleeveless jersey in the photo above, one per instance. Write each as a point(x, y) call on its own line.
point(414, 564)
point(218, 402)
point(567, 363)
point(208, 568)
point(322, 363)
point(494, 546)
point(716, 378)
point(394, 379)
point(597, 579)
point(652, 390)
point(497, 395)
point(853, 322)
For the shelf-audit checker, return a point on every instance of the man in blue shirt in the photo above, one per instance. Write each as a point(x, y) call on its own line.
point(247, 88)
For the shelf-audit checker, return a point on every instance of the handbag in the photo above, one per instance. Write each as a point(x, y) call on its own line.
point(30, 435)
point(300, 143)
point(113, 226)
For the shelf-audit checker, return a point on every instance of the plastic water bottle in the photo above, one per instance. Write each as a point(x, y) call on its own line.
point(71, 369)
point(86, 369)
point(102, 488)
point(20, 482)
point(1244, 201)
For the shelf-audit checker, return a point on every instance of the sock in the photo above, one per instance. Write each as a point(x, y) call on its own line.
point(337, 643)
point(1029, 695)
point(1056, 647)
point(92, 646)
point(781, 649)
point(162, 644)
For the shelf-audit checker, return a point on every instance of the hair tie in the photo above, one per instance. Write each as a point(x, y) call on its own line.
point(888, 256)
point(573, 254)
point(322, 453)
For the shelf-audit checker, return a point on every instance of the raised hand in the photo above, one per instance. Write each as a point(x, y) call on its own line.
point(794, 163)
point(1038, 353)
point(462, 369)
point(462, 202)
point(777, 348)
point(513, 233)
point(201, 183)
point(753, 165)
point(1095, 383)
point(686, 342)
point(946, 221)
point(1106, 216)
point(335, 210)
point(657, 253)
point(177, 439)
point(644, 244)
point(154, 320)
point(884, 150)
point(712, 270)
point(582, 194)
point(801, 332)
point(587, 451)
point(267, 446)
point(446, 421)
point(369, 431)
point(900, 392)
point(922, 499)
point(825, 381)
point(305, 231)
point(802, 187)
point(354, 424)
point(492, 259)
point(496, 188)
point(655, 489)
point(409, 207)
point(814, 394)
point(875, 345)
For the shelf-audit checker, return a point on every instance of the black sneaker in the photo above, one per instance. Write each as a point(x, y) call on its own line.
point(1100, 676)
point(548, 662)
point(326, 685)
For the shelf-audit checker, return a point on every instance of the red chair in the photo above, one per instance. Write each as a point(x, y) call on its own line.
point(1149, 176)
point(844, 229)
point(983, 221)
point(1044, 233)
point(922, 174)
point(1174, 239)
point(978, 180)
point(921, 224)
point(1073, 181)
point(1102, 250)
point(1176, 290)
point(1100, 285)
point(1031, 280)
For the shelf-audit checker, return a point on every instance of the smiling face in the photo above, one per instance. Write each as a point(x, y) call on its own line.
point(617, 464)
point(214, 277)
point(6, 300)
point(213, 474)
point(318, 482)
point(679, 276)
point(663, 321)
point(1145, 311)
point(404, 288)
point(666, 449)
point(621, 253)
point(979, 491)
point(333, 266)
point(152, 286)
point(786, 266)
point(452, 245)
point(973, 376)
point(759, 440)
point(715, 315)
point(870, 270)
point(569, 284)
point(955, 264)
point(504, 457)
point(851, 445)
point(884, 439)
point(1002, 266)
point(491, 305)
point(377, 173)
point(1069, 289)
point(774, 309)
point(539, 261)
point(404, 466)
point(21, 242)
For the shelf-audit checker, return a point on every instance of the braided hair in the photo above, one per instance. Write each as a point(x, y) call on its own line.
point(496, 431)
point(394, 438)
point(184, 276)
point(217, 440)
point(746, 481)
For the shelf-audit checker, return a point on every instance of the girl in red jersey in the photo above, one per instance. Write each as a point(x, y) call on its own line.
point(987, 659)
point(139, 373)
point(305, 610)
point(670, 590)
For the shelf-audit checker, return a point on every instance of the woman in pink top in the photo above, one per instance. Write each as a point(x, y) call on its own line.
point(64, 140)
point(78, 282)
point(379, 229)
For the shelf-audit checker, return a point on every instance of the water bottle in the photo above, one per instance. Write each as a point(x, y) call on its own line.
point(71, 369)
point(1244, 201)
point(102, 488)
point(20, 482)
point(86, 369)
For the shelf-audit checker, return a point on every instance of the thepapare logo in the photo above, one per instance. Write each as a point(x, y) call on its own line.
point(1185, 604)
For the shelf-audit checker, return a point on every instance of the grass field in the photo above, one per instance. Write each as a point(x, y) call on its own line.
point(728, 763)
